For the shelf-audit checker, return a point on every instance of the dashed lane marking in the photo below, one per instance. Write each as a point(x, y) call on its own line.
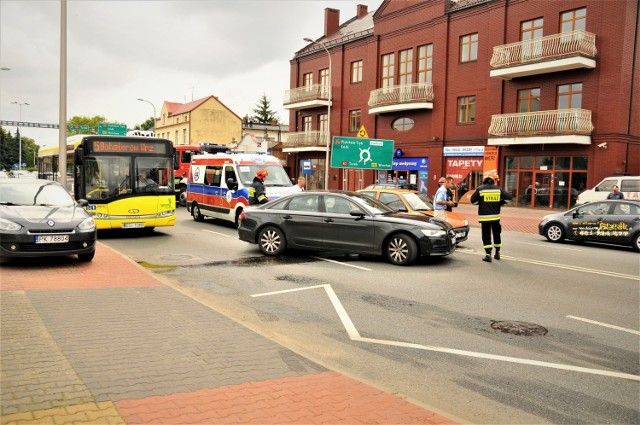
point(217, 233)
point(558, 266)
point(606, 325)
point(355, 336)
point(547, 246)
point(342, 264)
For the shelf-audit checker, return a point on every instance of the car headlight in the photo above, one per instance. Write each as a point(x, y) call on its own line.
point(434, 233)
point(9, 225)
point(101, 216)
point(466, 222)
point(87, 224)
point(167, 213)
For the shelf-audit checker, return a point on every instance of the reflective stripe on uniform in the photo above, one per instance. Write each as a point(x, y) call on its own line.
point(494, 217)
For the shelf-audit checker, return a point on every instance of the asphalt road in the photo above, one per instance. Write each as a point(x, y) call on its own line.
point(434, 332)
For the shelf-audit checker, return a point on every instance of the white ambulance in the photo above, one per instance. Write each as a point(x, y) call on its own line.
point(218, 184)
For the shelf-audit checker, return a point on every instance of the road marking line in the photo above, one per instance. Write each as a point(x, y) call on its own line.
point(342, 264)
point(549, 246)
point(220, 234)
point(559, 266)
point(606, 325)
point(355, 336)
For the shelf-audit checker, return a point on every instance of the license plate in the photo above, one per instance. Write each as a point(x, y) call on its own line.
point(461, 234)
point(52, 239)
point(133, 225)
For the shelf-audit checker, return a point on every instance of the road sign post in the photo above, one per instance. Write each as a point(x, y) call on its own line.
point(361, 153)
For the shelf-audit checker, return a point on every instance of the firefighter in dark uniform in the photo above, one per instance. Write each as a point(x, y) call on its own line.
point(257, 191)
point(490, 199)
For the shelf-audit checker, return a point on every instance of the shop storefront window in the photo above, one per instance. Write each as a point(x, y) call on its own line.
point(580, 163)
point(554, 182)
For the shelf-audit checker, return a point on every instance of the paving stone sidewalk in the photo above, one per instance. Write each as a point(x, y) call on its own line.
point(107, 343)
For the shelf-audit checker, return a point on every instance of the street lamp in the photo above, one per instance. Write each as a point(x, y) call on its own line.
point(19, 135)
point(326, 160)
point(154, 113)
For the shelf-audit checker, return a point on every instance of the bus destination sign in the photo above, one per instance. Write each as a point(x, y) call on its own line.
point(129, 146)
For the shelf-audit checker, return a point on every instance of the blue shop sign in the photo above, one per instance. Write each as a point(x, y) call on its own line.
point(410, 163)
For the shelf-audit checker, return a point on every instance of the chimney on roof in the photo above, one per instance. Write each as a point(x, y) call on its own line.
point(331, 21)
point(362, 10)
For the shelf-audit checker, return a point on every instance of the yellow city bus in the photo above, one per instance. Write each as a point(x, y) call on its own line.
point(128, 181)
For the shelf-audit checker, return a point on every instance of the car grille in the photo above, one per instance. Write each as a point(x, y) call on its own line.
point(58, 247)
point(49, 231)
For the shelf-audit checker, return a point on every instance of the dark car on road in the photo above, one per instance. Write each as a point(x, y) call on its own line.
point(40, 218)
point(611, 222)
point(345, 222)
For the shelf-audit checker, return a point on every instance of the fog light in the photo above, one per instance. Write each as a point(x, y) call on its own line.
point(13, 248)
point(84, 244)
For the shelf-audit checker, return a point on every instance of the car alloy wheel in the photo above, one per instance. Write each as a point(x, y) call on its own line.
point(271, 241)
point(636, 243)
point(401, 250)
point(554, 233)
point(197, 215)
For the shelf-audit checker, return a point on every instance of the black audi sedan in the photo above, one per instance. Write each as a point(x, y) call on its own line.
point(610, 222)
point(40, 218)
point(345, 222)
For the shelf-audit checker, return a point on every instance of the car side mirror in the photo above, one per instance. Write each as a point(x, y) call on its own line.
point(83, 202)
point(356, 213)
point(232, 184)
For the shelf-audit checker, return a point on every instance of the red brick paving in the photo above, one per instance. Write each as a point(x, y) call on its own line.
point(107, 270)
point(322, 398)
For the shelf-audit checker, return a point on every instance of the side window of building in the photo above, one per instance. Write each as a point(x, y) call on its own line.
point(425, 63)
point(355, 120)
point(356, 72)
point(388, 70)
point(466, 110)
point(469, 48)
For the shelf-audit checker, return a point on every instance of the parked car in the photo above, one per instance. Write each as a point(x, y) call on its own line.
point(40, 218)
point(612, 222)
point(416, 202)
point(629, 186)
point(346, 222)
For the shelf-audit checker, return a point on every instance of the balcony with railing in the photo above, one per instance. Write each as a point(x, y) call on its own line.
point(306, 97)
point(401, 98)
point(305, 141)
point(542, 127)
point(554, 53)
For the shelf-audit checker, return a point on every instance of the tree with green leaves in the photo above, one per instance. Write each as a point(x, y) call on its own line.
point(263, 113)
point(10, 147)
point(147, 125)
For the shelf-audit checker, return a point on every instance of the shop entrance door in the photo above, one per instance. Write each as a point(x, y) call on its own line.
point(543, 190)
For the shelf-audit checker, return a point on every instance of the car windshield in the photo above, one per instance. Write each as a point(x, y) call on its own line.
point(418, 201)
point(39, 193)
point(371, 205)
point(277, 176)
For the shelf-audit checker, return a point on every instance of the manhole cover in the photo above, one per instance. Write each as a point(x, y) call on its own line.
point(518, 328)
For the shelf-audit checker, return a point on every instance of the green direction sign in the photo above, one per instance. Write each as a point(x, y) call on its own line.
point(356, 152)
point(112, 129)
point(76, 127)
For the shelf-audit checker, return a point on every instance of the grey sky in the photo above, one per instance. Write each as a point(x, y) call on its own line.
point(118, 51)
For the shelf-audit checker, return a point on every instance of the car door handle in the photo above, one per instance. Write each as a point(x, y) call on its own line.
point(287, 217)
point(328, 220)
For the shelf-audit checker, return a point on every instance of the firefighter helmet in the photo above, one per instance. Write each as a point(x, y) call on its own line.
point(262, 173)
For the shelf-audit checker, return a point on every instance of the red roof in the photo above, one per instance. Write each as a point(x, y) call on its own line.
point(180, 108)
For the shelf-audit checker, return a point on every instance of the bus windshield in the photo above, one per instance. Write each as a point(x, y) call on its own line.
point(107, 177)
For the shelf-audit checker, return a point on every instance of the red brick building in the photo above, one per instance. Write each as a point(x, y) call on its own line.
point(545, 92)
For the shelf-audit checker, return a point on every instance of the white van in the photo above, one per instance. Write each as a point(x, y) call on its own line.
point(629, 187)
point(218, 184)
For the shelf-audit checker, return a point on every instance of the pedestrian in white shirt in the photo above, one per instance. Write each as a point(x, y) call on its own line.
point(299, 187)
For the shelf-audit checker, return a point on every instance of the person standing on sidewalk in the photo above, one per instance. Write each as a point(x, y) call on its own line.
point(616, 194)
point(441, 200)
point(490, 199)
point(441, 183)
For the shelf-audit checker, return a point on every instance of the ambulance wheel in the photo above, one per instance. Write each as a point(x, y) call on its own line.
point(195, 212)
point(271, 241)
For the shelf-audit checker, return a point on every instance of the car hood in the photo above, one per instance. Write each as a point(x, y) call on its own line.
point(455, 220)
point(38, 214)
point(418, 218)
